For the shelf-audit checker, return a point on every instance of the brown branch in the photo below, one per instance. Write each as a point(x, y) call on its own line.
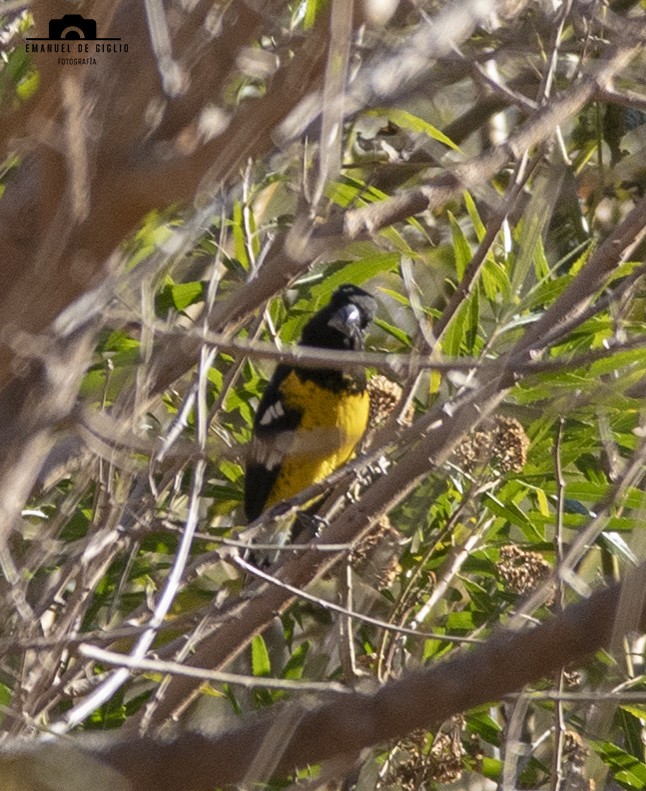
point(507, 662)
point(471, 174)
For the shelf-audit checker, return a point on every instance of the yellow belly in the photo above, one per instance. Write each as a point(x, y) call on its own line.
point(330, 429)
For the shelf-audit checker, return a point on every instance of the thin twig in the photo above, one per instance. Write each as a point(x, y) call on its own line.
point(256, 572)
point(174, 668)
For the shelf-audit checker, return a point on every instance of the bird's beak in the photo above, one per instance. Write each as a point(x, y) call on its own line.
point(346, 320)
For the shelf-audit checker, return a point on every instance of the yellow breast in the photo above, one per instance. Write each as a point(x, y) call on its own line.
point(331, 426)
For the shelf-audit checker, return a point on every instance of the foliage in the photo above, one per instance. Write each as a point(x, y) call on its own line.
point(155, 460)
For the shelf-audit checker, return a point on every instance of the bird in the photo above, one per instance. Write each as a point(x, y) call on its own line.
point(310, 420)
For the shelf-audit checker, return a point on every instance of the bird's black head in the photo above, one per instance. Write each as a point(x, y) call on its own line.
point(341, 323)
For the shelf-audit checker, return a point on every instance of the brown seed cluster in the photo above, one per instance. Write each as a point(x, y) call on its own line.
point(502, 446)
point(422, 765)
point(521, 571)
point(575, 753)
point(510, 444)
point(385, 396)
point(445, 757)
point(574, 749)
point(572, 678)
point(376, 555)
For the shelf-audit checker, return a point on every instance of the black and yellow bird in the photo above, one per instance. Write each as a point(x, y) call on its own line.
point(310, 420)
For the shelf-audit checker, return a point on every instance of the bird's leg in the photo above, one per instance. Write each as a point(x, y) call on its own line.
point(307, 527)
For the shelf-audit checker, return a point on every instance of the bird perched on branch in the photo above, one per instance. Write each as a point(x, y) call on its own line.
point(310, 420)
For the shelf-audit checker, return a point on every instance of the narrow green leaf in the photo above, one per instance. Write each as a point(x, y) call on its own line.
point(415, 124)
point(530, 243)
point(590, 492)
point(629, 771)
point(260, 663)
point(495, 280)
point(580, 261)
point(471, 324)
point(541, 264)
point(635, 710)
point(611, 364)
point(311, 10)
point(296, 662)
point(239, 247)
point(357, 272)
point(461, 247)
point(455, 332)
point(478, 225)
point(481, 723)
point(231, 470)
point(632, 729)
point(347, 190)
point(618, 546)
point(396, 296)
point(512, 513)
point(397, 333)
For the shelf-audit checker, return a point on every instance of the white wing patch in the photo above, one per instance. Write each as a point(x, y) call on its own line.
point(273, 412)
point(271, 454)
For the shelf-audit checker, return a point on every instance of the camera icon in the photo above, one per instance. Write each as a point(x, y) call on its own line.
point(72, 26)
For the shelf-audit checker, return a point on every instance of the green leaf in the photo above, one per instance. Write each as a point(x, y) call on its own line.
point(260, 663)
point(296, 663)
point(28, 86)
point(530, 242)
point(178, 296)
point(512, 513)
point(495, 280)
point(611, 364)
point(478, 225)
point(632, 729)
point(546, 292)
point(232, 471)
point(461, 247)
point(581, 260)
point(310, 10)
point(347, 190)
point(6, 696)
point(481, 723)
point(397, 333)
point(628, 770)
point(491, 768)
point(357, 272)
point(541, 264)
point(471, 324)
point(397, 296)
point(455, 333)
point(590, 492)
point(415, 124)
point(635, 710)
point(619, 547)
point(463, 621)
point(435, 649)
point(239, 246)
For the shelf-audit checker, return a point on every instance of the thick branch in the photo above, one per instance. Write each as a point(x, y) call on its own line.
point(507, 662)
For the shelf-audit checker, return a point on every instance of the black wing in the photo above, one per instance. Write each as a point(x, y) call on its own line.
point(272, 433)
